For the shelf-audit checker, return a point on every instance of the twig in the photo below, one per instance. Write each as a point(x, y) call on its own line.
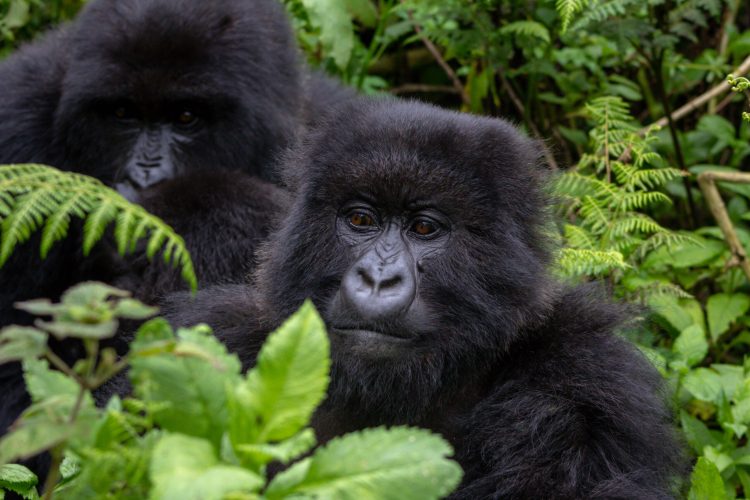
point(692, 105)
point(439, 59)
point(702, 99)
point(548, 156)
point(707, 183)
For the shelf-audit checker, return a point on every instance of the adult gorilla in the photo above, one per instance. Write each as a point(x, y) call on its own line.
point(180, 104)
point(418, 234)
point(177, 103)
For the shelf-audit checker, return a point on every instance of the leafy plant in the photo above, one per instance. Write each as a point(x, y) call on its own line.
point(37, 196)
point(197, 428)
point(605, 197)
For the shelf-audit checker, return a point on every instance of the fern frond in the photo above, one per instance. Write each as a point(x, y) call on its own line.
point(32, 196)
point(582, 262)
point(578, 237)
point(527, 28)
point(603, 11)
point(627, 201)
point(635, 222)
point(566, 9)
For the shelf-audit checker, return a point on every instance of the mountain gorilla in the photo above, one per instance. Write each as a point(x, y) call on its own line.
point(180, 104)
point(417, 233)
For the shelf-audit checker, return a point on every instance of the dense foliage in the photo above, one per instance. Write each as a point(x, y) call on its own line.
point(632, 99)
point(196, 427)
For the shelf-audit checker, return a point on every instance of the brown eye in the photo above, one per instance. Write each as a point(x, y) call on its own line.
point(424, 228)
point(186, 118)
point(121, 112)
point(361, 219)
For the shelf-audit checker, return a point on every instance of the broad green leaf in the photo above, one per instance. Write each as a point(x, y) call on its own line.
point(20, 342)
point(185, 468)
point(691, 253)
point(283, 452)
point(45, 425)
point(698, 435)
point(18, 479)
point(706, 482)
point(44, 383)
point(377, 463)
point(704, 384)
point(364, 11)
point(723, 309)
point(187, 380)
point(288, 382)
point(336, 31)
point(134, 309)
point(691, 345)
point(678, 314)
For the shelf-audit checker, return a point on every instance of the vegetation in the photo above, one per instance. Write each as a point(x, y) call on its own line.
point(633, 100)
point(211, 435)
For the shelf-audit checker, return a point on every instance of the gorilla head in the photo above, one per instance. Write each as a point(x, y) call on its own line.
point(155, 89)
point(416, 232)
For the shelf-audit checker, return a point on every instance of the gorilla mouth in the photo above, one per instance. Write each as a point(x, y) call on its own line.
point(370, 334)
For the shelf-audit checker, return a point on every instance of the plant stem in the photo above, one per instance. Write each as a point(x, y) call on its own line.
point(658, 67)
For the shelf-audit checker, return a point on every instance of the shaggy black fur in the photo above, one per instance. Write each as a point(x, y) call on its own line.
point(180, 104)
point(526, 378)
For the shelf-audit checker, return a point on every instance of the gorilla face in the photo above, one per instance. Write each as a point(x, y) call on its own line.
point(416, 232)
point(160, 88)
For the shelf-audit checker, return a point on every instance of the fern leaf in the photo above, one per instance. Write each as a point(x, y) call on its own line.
point(527, 28)
point(583, 262)
point(96, 223)
point(32, 196)
point(566, 9)
point(26, 216)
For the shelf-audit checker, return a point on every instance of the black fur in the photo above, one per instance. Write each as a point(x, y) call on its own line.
point(232, 63)
point(527, 378)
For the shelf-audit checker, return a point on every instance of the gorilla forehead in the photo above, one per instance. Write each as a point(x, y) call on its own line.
point(404, 152)
point(173, 38)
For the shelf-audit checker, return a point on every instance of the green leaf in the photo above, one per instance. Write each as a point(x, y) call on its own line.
point(284, 452)
point(336, 31)
point(375, 463)
point(723, 309)
point(288, 382)
point(706, 482)
point(691, 345)
point(186, 379)
point(134, 309)
point(185, 468)
point(698, 435)
point(704, 384)
point(364, 11)
point(43, 383)
point(19, 479)
point(20, 342)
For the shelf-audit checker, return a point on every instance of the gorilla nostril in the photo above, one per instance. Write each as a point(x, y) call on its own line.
point(390, 282)
point(366, 278)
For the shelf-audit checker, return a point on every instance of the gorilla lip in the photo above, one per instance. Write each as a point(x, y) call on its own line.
point(367, 334)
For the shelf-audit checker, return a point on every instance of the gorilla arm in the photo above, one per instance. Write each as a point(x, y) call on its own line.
point(576, 412)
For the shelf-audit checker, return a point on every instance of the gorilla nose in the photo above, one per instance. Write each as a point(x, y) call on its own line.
point(376, 290)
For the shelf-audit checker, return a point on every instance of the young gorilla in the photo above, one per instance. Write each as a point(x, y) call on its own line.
point(417, 233)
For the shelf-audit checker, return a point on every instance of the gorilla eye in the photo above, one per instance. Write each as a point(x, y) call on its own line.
point(424, 227)
point(186, 117)
point(124, 112)
point(361, 220)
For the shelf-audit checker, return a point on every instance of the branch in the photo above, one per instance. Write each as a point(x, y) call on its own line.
point(439, 58)
point(707, 182)
point(703, 98)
